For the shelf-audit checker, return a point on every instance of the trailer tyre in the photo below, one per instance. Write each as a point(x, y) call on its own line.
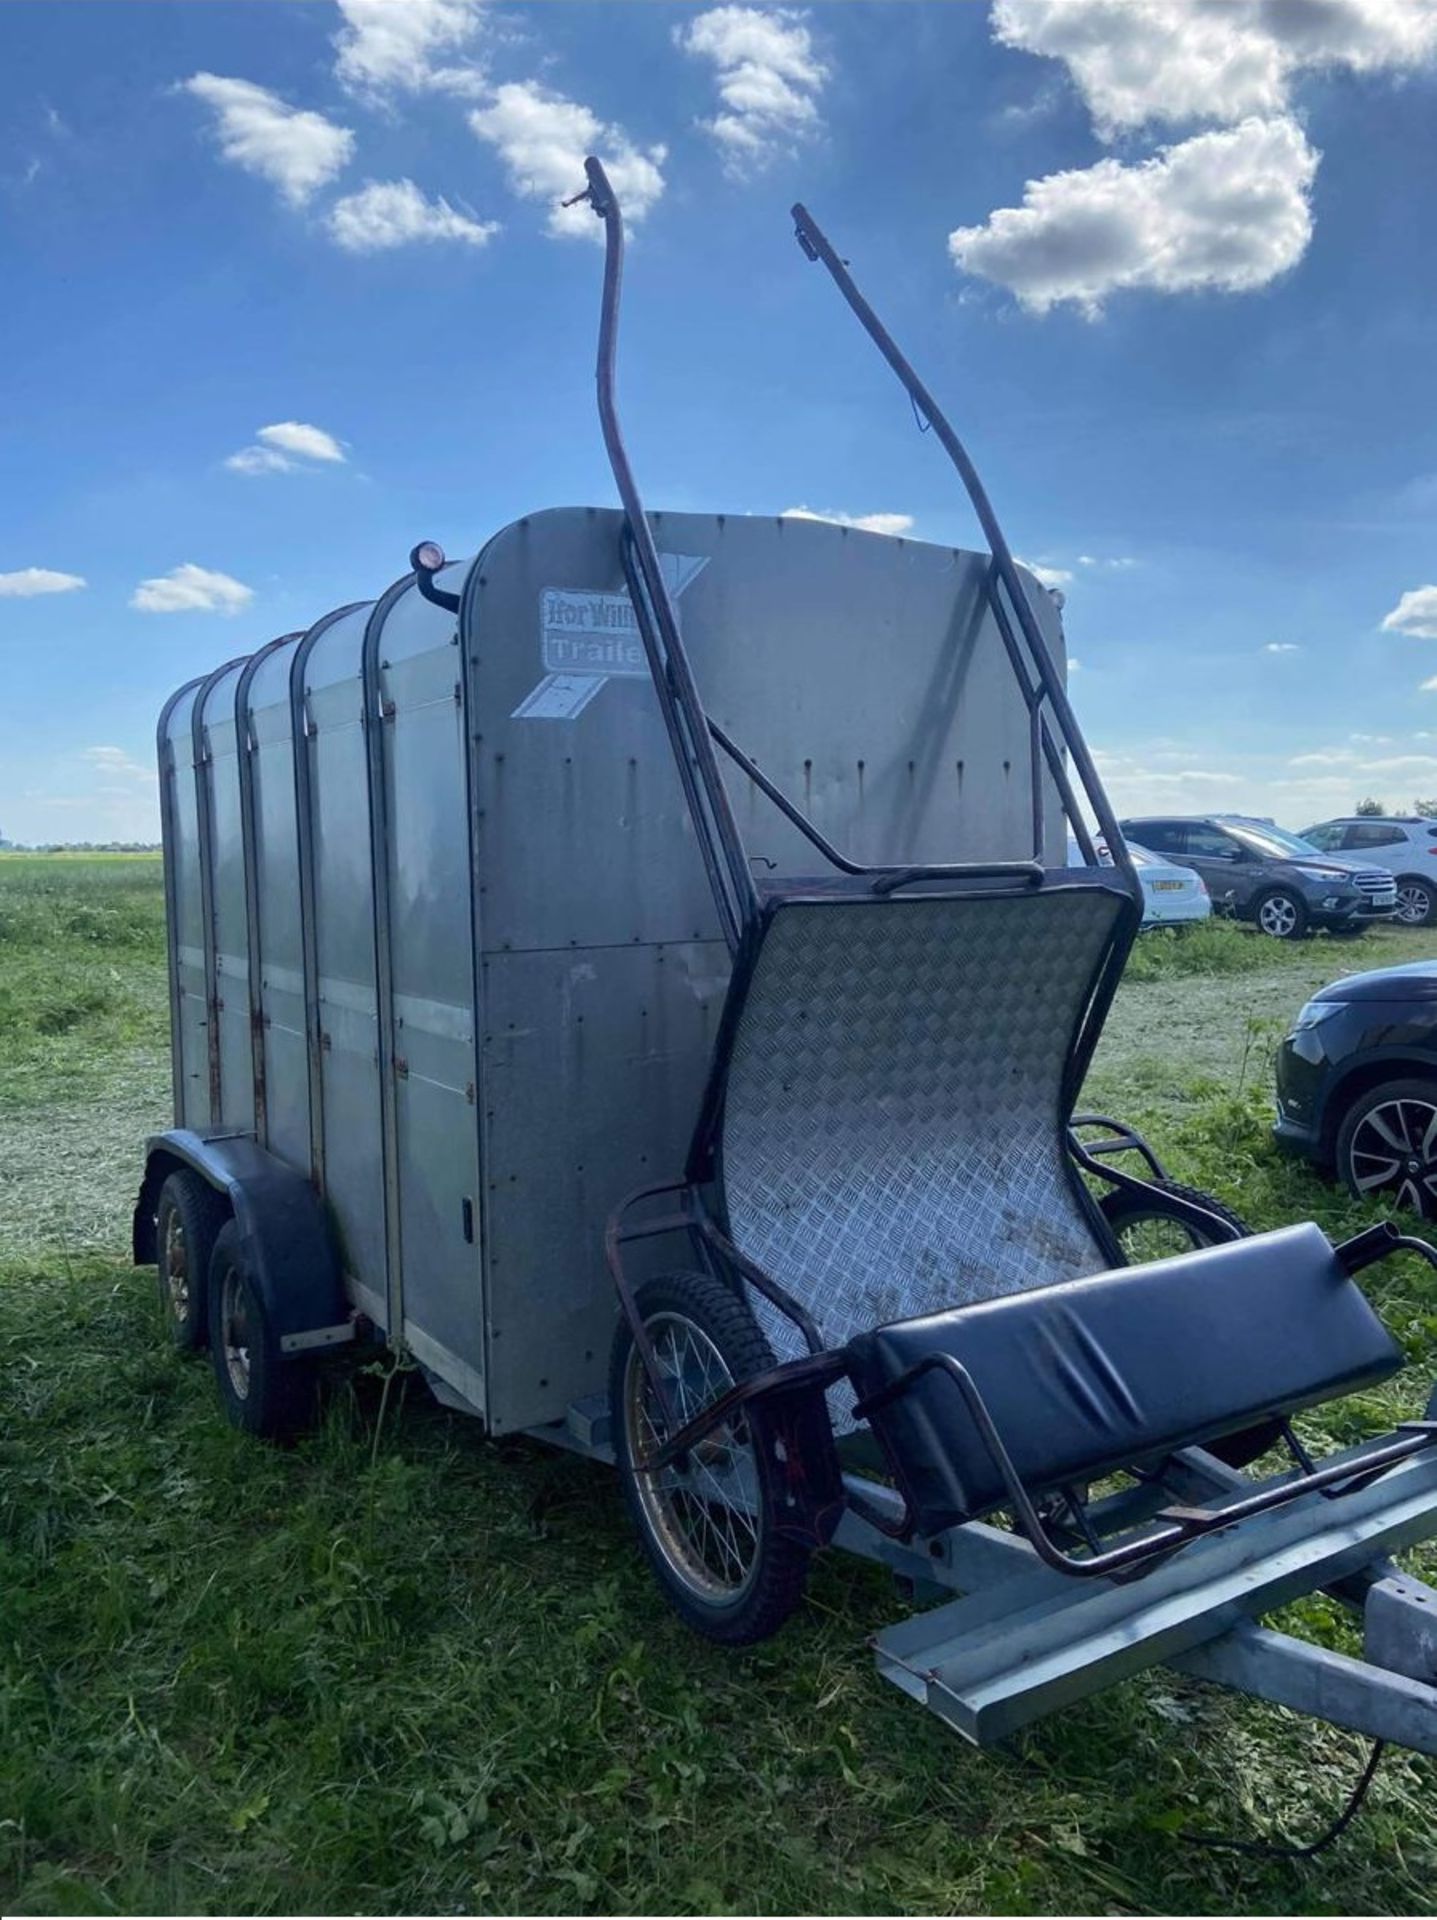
point(262, 1392)
point(707, 1524)
point(188, 1220)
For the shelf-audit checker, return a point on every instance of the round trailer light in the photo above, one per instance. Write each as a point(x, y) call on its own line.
point(427, 557)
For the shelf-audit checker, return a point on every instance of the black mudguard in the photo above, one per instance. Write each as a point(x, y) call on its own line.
point(289, 1248)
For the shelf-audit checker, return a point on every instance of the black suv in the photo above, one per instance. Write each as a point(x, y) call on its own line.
point(1257, 872)
point(1357, 1084)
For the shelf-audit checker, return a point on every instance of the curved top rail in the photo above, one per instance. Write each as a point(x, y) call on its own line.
point(816, 245)
point(734, 890)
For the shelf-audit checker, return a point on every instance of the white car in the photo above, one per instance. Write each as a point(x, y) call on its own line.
point(1171, 894)
point(1406, 846)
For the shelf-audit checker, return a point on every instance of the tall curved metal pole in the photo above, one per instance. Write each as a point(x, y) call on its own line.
point(816, 245)
point(736, 896)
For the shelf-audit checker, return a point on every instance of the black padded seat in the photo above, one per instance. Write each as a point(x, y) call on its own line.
point(1095, 1373)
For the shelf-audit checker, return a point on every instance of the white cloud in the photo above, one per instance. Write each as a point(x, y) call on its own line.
point(389, 46)
point(278, 443)
point(32, 580)
point(191, 589)
point(1225, 210)
point(1429, 686)
point(1135, 786)
point(394, 213)
point(258, 460)
point(1185, 60)
point(1372, 769)
point(1048, 576)
point(1282, 646)
point(295, 150)
point(1120, 563)
point(294, 436)
point(768, 76)
point(1415, 613)
point(116, 764)
point(542, 139)
point(890, 523)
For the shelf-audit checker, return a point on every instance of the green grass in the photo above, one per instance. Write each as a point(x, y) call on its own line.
point(402, 1668)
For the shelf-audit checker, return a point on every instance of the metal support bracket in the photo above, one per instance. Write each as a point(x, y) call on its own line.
point(1016, 1649)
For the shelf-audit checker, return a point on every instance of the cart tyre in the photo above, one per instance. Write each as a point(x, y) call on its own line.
point(687, 1315)
point(188, 1218)
point(263, 1393)
point(1124, 1210)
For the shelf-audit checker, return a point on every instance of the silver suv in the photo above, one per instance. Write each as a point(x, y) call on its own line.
point(1405, 846)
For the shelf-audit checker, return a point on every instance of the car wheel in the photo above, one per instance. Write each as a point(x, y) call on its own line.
point(1387, 1145)
point(706, 1523)
point(1416, 902)
point(1281, 915)
point(1145, 1230)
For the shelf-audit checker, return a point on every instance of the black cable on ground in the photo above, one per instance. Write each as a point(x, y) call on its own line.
point(1288, 1849)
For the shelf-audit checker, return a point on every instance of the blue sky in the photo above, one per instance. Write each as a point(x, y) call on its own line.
point(285, 291)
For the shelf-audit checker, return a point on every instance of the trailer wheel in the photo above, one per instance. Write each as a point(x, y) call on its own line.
point(263, 1393)
point(188, 1219)
point(707, 1525)
point(1145, 1231)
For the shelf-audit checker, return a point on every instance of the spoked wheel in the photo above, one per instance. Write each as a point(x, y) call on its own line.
point(1145, 1231)
point(706, 1521)
point(262, 1391)
point(188, 1219)
point(1387, 1146)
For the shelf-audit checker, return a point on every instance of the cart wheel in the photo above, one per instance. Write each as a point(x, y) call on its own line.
point(707, 1523)
point(188, 1220)
point(1146, 1232)
point(263, 1393)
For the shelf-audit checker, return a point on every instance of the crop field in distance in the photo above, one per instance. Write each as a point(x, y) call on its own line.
point(400, 1667)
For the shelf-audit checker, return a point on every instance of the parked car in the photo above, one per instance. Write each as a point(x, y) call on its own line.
point(1406, 847)
point(1357, 1084)
point(1255, 871)
point(1172, 895)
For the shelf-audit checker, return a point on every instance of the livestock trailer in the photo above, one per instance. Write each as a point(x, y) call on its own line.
point(635, 974)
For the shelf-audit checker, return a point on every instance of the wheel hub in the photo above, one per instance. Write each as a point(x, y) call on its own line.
point(234, 1317)
point(176, 1267)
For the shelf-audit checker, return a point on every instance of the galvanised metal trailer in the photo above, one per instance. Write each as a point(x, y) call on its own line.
point(489, 899)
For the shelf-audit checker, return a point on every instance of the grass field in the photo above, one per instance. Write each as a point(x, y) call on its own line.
point(399, 1668)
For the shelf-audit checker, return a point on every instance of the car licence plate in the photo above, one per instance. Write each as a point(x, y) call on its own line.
point(1168, 886)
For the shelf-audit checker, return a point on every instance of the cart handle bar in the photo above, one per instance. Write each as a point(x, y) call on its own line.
point(816, 246)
